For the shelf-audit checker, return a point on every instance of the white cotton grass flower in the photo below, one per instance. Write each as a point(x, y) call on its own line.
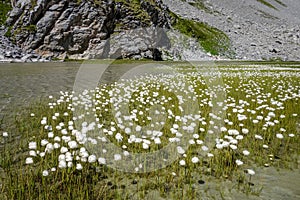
point(245, 131)
point(223, 129)
point(195, 160)
point(282, 129)
point(204, 148)
point(182, 162)
point(64, 131)
point(102, 161)
point(233, 147)
point(5, 134)
point(191, 141)
point(56, 145)
point(199, 141)
point(32, 145)
point(44, 142)
point(239, 137)
point(32, 114)
point(57, 139)
point(72, 144)
point(117, 157)
point(79, 166)
point(32, 153)
point(126, 153)
point(279, 136)
point(92, 159)
point(53, 169)
point(233, 132)
point(45, 173)
point(157, 141)
point(196, 136)
point(265, 146)
point(250, 172)
point(119, 137)
point(246, 152)
point(62, 164)
point(50, 135)
point(70, 164)
point(180, 150)
point(219, 146)
point(239, 162)
point(44, 121)
point(259, 137)
point(127, 131)
point(63, 150)
point(49, 148)
point(69, 157)
point(291, 135)
point(62, 157)
point(145, 145)
point(210, 155)
point(28, 161)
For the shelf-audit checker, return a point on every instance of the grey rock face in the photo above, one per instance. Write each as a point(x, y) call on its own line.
point(69, 29)
point(89, 29)
point(9, 52)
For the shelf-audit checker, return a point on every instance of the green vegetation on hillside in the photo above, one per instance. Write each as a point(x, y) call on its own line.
point(134, 7)
point(200, 5)
point(267, 4)
point(211, 39)
point(281, 3)
point(5, 7)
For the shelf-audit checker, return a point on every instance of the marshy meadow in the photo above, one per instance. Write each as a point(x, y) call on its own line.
point(176, 132)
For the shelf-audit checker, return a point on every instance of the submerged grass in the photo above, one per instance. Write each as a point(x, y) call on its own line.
point(260, 129)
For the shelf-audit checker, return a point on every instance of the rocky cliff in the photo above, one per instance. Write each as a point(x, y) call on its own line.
point(87, 29)
point(154, 29)
point(79, 29)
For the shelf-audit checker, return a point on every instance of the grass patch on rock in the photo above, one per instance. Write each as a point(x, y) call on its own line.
point(211, 39)
point(5, 7)
point(267, 4)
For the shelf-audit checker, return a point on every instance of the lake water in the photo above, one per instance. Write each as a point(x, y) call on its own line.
point(21, 83)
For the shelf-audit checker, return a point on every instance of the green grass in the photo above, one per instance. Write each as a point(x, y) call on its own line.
point(200, 5)
point(211, 39)
point(135, 9)
point(267, 4)
point(5, 7)
point(281, 3)
point(97, 181)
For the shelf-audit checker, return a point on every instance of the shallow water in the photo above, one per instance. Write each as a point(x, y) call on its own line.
point(22, 83)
